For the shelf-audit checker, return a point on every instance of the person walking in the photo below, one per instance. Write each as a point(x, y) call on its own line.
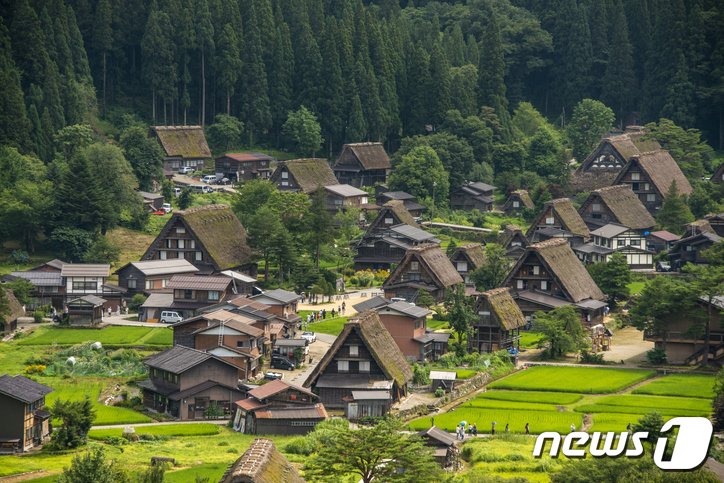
point(506, 427)
point(527, 428)
point(344, 307)
point(628, 428)
point(573, 428)
point(493, 429)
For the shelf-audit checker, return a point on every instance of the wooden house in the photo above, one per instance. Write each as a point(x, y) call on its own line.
point(444, 380)
point(48, 288)
point(242, 167)
point(210, 237)
point(26, 422)
point(549, 275)
point(388, 237)
point(558, 215)
point(303, 175)
point(472, 196)
point(183, 146)
point(498, 323)
point(341, 197)
point(447, 453)
point(716, 221)
point(152, 201)
point(185, 383)
point(616, 204)
point(601, 166)
point(513, 240)
point(9, 321)
point(517, 201)
point(424, 267)
point(467, 259)
point(152, 275)
point(54, 265)
point(281, 303)
point(718, 176)
point(650, 176)
point(362, 164)
point(613, 238)
point(262, 463)
point(85, 311)
point(193, 292)
point(659, 241)
point(364, 358)
point(410, 201)
point(84, 279)
point(406, 323)
point(278, 407)
point(699, 236)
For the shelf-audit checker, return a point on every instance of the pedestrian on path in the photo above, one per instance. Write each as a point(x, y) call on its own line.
point(493, 429)
point(506, 427)
point(527, 428)
point(344, 307)
point(573, 428)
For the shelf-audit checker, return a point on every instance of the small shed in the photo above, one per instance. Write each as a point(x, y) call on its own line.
point(445, 445)
point(443, 379)
point(86, 310)
point(368, 404)
point(286, 347)
point(152, 201)
point(600, 338)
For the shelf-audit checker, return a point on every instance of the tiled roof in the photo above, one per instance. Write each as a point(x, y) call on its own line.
point(198, 282)
point(22, 388)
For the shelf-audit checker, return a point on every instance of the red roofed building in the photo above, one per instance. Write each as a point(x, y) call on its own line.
point(244, 166)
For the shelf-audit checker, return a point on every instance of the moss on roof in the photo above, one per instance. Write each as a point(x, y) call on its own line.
point(506, 311)
point(310, 174)
point(186, 142)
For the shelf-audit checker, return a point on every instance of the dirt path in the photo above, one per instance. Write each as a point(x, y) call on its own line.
point(220, 422)
point(31, 475)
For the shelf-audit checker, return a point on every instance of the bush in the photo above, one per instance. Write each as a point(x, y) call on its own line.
point(421, 375)
point(38, 317)
point(19, 257)
point(439, 392)
point(656, 356)
point(302, 446)
point(136, 301)
point(35, 369)
point(591, 358)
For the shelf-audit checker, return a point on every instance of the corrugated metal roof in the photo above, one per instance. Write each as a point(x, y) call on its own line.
point(303, 412)
point(158, 300)
point(280, 295)
point(609, 231)
point(248, 157)
point(345, 190)
point(178, 360)
point(85, 270)
point(275, 387)
point(371, 304)
point(439, 435)
point(443, 375)
point(371, 395)
point(407, 309)
point(41, 279)
point(88, 299)
point(239, 276)
point(412, 233)
point(164, 267)
point(249, 404)
point(199, 282)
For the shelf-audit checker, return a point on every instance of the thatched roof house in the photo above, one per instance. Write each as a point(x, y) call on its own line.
point(262, 463)
point(498, 322)
point(211, 237)
point(613, 152)
point(616, 204)
point(362, 164)
point(182, 146)
point(305, 175)
point(518, 201)
point(9, 322)
point(718, 175)
point(363, 358)
point(425, 267)
point(650, 176)
point(513, 240)
point(467, 259)
point(560, 214)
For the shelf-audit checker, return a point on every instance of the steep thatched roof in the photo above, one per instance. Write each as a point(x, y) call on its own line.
point(219, 232)
point(398, 208)
point(310, 174)
point(628, 144)
point(563, 264)
point(661, 169)
point(502, 305)
point(369, 155)
point(16, 310)
point(262, 463)
point(718, 175)
point(474, 252)
point(186, 142)
point(697, 227)
point(524, 197)
point(378, 341)
point(566, 213)
point(625, 206)
point(508, 233)
point(431, 258)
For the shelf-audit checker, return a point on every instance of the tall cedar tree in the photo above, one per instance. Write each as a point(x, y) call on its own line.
point(158, 52)
point(205, 44)
point(674, 213)
point(319, 225)
point(14, 123)
point(491, 73)
point(619, 81)
point(103, 39)
point(228, 63)
point(255, 108)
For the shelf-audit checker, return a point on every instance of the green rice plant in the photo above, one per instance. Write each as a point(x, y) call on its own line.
point(587, 380)
point(558, 398)
point(116, 336)
point(201, 429)
point(658, 402)
point(517, 418)
point(465, 373)
point(606, 408)
point(616, 422)
point(496, 404)
point(687, 385)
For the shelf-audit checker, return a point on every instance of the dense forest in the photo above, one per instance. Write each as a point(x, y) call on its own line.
point(377, 70)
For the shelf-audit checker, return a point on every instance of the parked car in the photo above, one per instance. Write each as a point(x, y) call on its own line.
point(279, 362)
point(170, 317)
point(177, 191)
point(270, 376)
point(199, 188)
point(167, 207)
point(186, 170)
point(209, 178)
point(223, 181)
point(663, 267)
point(309, 336)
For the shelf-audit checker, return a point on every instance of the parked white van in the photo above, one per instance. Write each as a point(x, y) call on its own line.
point(168, 317)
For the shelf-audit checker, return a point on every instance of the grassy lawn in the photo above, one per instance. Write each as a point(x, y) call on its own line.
point(573, 379)
point(465, 373)
point(702, 406)
point(615, 422)
point(532, 396)
point(483, 417)
point(133, 244)
point(687, 385)
point(636, 287)
point(329, 326)
point(201, 429)
point(434, 324)
point(116, 336)
point(529, 340)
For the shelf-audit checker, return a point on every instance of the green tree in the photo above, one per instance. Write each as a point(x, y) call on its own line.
point(455, 153)
point(4, 302)
point(590, 121)
point(102, 250)
point(492, 273)
point(562, 332)
point(225, 132)
point(319, 225)
point(228, 62)
point(421, 173)
point(280, 78)
point(303, 131)
point(158, 53)
point(440, 84)
point(612, 277)
point(205, 42)
point(144, 154)
point(263, 226)
point(674, 213)
point(619, 81)
point(718, 403)
point(691, 153)
point(460, 312)
point(255, 109)
point(527, 121)
point(73, 243)
point(167, 190)
point(463, 86)
point(491, 72)
point(77, 418)
point(650, 423)
point(92, 467)
point(377, 453)
point(14, 122)
point(424, 299)
point(707, 282)
point(154, 474)
point(70, 139)
point(103, 38)
point(22, 289)
point(185, 198)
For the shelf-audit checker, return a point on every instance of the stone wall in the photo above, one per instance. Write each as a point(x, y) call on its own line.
point(463, 389)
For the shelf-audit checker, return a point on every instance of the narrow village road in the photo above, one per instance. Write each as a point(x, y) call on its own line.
point(220, 422)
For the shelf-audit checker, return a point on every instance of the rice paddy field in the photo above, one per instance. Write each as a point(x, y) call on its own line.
point(113, 336)
point(200, 429)
point(552, 398)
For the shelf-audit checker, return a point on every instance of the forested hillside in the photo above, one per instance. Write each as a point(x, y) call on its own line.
point(375, 70)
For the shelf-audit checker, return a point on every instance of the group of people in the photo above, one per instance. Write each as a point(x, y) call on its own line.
point(473, 429)
point(318, 315)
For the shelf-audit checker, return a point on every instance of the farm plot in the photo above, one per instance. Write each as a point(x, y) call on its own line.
point(516, 418)
point(558, 398)
point(687, 385)
point(200, 429)
point(114, 336)
point(633, 403)
point(585, 380)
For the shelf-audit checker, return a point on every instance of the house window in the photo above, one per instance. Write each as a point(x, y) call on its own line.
point(388, 221)
point(162, 255)
point(285, 183)
point(188, 294)
point(516, 204)
point(252, 343)
point(169, 243)
point(213, 295)
point(342, 366)
point(550, 220)
point(520, 284)
point(651, 197)
point(462, 266)
point(131, 283)
point(285, 175)
point(536, 270)
point(83, 285)
point(181, 229)
point(635, 176)
point(515, 244)
point(239, 343)
point(414, 266)
point(364, 366)
point(646, 186)
point(353, 350)
point(595, 207)
point(192, 244)
point(484, 313)
point(181, 243)
point(635, 186)
point(636, 242)
point(544, 285)
point(198, 256)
